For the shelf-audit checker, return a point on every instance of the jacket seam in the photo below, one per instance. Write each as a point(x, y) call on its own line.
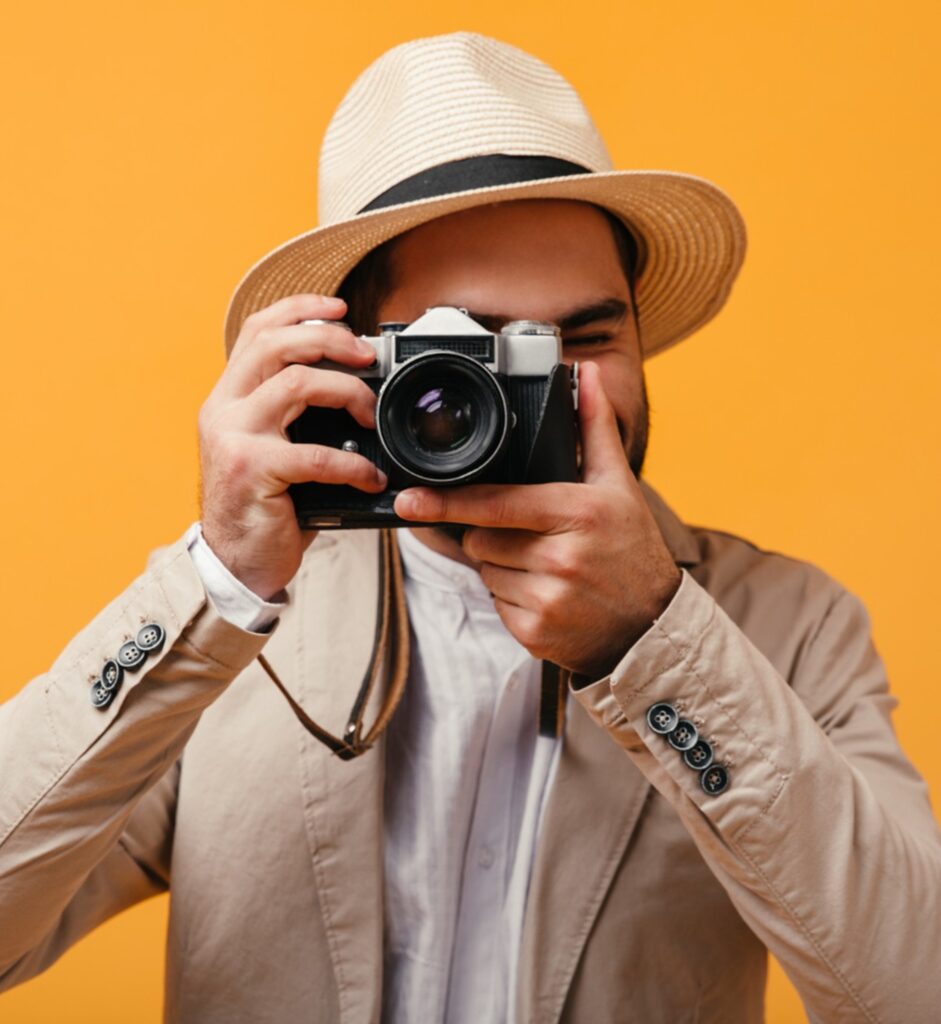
point(735, 842)
point(685, 656)
point(805, 931)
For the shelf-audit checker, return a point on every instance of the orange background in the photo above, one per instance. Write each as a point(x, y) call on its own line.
point(152, 153)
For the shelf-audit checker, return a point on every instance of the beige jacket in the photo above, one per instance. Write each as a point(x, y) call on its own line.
point(649, 902)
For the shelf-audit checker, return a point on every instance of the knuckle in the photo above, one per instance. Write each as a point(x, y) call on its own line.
point(471, 546)
point(318, 460)
point(529, 635)
point(231, 455)
point(250, 322)
point(585, 515)
point(264, 337)
point(563, 561)
point(556, 604)
point(294, 379)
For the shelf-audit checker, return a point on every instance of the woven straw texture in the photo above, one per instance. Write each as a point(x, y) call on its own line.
point(446, 98)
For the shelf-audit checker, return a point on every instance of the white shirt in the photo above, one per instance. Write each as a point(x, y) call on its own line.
point(466, 781)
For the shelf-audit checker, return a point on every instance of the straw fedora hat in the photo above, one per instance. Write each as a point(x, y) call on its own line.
point(450, 122)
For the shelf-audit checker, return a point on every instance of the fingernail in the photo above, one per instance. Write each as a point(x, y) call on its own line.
point(381, 478)
point(405, 505)
point(364, 348)
point(333, 300)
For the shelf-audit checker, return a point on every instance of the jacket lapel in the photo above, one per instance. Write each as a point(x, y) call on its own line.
point(592, 810)
point(336, 606)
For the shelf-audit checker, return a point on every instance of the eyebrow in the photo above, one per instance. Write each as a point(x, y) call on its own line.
point(606, 309)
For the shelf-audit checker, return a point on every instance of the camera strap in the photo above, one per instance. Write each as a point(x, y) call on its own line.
point(390, 658)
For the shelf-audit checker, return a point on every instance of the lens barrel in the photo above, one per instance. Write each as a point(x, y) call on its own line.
point(443, 417)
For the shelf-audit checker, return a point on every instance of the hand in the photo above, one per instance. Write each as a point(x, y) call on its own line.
point(578, 571)
point(246, 459)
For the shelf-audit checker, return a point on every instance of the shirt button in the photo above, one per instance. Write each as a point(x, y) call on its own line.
point(699, 756)
point(684, 736)
point(662, 718)
point(485, 857)
point(715, 779)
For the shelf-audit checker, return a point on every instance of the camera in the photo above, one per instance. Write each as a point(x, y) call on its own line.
point(456, 404)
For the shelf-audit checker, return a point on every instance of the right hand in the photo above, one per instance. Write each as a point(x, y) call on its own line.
point(246, 459)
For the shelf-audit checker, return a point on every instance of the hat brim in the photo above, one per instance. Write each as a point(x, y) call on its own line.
point(691, 234)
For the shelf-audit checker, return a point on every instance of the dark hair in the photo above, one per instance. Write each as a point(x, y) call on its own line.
point(370, 281)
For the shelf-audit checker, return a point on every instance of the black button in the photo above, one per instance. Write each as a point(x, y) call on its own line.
point(111, 675)
point(715, 779)
point(699, 756)
point(130, 656)
point(101, 697)
point(151, 637)
point(662, 718)
point(684, 736)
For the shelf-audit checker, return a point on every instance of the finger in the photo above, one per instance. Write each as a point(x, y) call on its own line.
point(289, 310)
point(515, 586)
point(283, 397)
point(274, 348)
point(308, 463)
point(513, 549)
point(521, 622)
point(602, 449)
point(538, 507)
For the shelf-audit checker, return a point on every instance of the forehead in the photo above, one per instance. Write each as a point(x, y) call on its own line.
point(530, 257)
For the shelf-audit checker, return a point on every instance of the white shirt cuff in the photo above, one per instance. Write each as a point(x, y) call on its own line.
point(231, 598)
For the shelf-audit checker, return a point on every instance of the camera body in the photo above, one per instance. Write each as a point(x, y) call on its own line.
point(456, 404)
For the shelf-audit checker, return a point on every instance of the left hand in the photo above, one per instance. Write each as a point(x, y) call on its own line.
point(578, 571)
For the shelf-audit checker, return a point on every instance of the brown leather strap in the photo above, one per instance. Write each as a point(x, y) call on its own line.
point(389, 658)
point(554, 689)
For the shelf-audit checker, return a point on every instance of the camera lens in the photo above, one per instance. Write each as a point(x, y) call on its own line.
point(442, 417)
point(442, 420)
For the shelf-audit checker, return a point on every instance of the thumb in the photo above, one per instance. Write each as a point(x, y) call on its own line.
point(602, 449)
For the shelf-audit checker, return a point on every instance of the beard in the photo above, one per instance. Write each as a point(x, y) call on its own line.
point(634, 438)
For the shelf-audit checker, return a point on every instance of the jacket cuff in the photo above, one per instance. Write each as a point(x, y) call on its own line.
point(696, 660)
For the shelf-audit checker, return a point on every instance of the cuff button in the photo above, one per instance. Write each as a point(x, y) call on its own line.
point(130, 656)
point(101, 697)
point(699, 756)
point(684, 736)
point(151, 637)
point(111, 675)
point(715, 779)
point(662, 718)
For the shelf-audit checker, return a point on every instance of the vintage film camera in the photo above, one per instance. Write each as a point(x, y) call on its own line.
point(457, 404)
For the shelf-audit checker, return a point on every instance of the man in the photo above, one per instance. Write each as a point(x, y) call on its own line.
point(450, 863)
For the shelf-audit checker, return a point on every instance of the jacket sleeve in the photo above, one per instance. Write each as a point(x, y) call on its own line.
point(824, 837)
point(87, 794)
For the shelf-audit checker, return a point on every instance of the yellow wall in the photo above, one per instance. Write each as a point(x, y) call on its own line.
point(152, 153)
